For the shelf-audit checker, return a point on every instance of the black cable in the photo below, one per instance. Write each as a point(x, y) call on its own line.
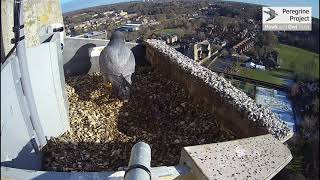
point(16, 28)
point(9, 54)
point(138, 166)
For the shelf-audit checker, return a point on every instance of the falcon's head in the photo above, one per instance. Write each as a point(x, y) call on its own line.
point(117, 37)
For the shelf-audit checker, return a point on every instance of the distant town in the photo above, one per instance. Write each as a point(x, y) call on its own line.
point(277, 69)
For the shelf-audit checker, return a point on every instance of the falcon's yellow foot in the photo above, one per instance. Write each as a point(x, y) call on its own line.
point(108, 85)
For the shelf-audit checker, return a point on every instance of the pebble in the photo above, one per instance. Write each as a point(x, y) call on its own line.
point(104, 128)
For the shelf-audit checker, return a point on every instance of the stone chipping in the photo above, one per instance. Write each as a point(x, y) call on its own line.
point(263, 116)
point(104, 128)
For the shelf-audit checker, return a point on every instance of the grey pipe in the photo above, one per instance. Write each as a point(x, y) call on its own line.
point(140, 156)
point(26, 82)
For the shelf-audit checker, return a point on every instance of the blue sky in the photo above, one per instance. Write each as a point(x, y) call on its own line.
point(66, 4)
point(71, 5)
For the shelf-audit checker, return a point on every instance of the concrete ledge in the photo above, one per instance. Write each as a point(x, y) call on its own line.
point(158, 173)
point(81, 55)
point(260, 157)
point(232, 107)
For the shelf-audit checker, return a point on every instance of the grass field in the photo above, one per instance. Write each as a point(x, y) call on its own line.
point(266, 76)
point(298, 60)
point(292, 61)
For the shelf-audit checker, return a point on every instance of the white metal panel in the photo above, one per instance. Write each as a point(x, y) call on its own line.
point(46, 86)
point(16, 147)
point(59, 83)
point(63, 85)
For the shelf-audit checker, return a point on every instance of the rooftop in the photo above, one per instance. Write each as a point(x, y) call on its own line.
point(175, 103)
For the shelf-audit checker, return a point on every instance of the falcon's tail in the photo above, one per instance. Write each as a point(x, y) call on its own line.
point(124, 80)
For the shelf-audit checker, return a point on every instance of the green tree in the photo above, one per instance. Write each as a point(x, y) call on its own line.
point(269, 38)
point(224, 53)
point(252, 53)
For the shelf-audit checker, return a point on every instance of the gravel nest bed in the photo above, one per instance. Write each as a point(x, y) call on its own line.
point(104, 128)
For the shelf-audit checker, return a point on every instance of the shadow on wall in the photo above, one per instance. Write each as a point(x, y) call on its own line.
point(139, 52)
point(80, 63)
point(26, 159)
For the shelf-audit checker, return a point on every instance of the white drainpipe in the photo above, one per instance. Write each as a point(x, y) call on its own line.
point(25, 77)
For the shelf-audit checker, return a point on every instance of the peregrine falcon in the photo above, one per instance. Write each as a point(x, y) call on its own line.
point(117, 64)
point(272, 13)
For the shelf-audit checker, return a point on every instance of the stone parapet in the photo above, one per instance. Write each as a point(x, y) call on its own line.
point(233, 108)
point(260, 157)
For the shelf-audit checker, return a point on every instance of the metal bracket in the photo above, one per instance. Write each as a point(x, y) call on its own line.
point(16, 29)
point(137, 166)
point(14, 40)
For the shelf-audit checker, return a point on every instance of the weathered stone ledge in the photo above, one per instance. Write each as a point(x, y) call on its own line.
point(236, 109)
